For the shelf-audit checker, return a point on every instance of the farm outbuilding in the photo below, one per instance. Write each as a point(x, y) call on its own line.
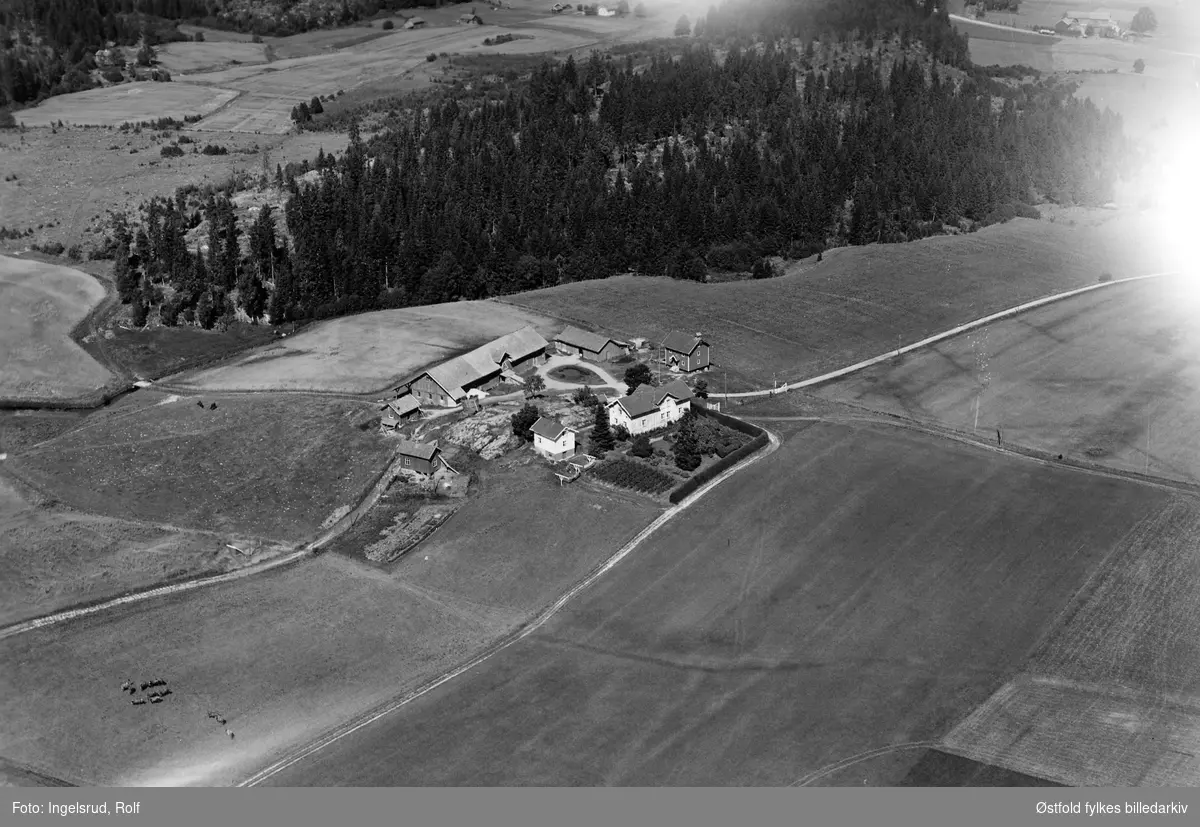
point(448, 384)
point(587, 345)
point(470, 20)
point(414, 23)
point(421, 457)
point(552, 439)
point(686, 352)
point(649, 408)
point(398, 410)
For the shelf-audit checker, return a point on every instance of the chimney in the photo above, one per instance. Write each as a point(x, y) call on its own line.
point(699, 335)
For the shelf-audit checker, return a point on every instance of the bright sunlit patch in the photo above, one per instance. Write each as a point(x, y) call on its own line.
point(1177, 214)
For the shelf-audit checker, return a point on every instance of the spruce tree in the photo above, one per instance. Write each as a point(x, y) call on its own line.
point(687, 449)
point(601, 440)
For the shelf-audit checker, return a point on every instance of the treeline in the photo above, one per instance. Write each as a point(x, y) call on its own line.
point(704, 161)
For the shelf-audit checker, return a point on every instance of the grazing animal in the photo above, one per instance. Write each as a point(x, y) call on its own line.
point(138, 701)
point(213, 406)
point(145, 686)
point(222, 722)
point(200, 403)
point(229, 732)
point(157, 699)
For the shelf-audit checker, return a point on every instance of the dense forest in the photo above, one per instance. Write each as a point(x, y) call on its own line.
point(714, 159)
point(47, 47)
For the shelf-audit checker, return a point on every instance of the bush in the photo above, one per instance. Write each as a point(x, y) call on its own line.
point(113, 75)
point(1105, 277)
point(431, 57)
point(171, 151)
point(198, 37)
point(523, 420)
point(641, 447)
point(256, 38)
point(620, 433)
point(388, 25)
point(214, 149)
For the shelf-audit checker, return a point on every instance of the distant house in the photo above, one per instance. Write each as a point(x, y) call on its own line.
point(421, 457)
point(686, 352)
point(552, 439)
point(1093, 22)
point(592, 346)
point(448, 384)
point(648, 409)
point(470, 20)
point(398, 410)
point(414, 23)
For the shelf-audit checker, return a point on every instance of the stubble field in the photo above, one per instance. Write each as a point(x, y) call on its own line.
point(1109, 378)
point(370, 351)
point(286, 655)
point(267, 467)
point(861, 301)
point(781, 628)
point(39, 306)
point(1111, 699)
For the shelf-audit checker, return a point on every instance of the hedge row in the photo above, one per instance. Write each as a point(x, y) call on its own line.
point(696, 480)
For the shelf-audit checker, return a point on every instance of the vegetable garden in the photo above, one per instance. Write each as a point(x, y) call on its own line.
point(626, 473)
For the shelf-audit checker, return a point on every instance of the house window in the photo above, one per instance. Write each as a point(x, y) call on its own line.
point(407, 461)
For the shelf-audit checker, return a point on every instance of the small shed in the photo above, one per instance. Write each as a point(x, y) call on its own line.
point(398, 410)
point(552, 439)
point(421, 457)
point(414, 23)
point(470, 20)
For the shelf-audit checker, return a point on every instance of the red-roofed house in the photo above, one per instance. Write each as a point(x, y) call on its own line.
point(686, 352)
point(589, 345)
point(552, 439)
point(648, 409)
point(447, 384)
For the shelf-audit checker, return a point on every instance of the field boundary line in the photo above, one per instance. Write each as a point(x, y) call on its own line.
point(829, 769)
point(937, 337)
point(371, 716)
point(308, 550)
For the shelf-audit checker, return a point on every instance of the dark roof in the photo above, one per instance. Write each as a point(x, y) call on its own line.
point(549, 428)
point(421, 450)
point(681, 342)
point(646, 399)
point(593, 342)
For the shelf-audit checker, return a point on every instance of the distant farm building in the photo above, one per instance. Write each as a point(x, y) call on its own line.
point(552, 439)
point(1092, 23)
point(686, 352)
point(470, 20)
point(592, 346)
point(398, 410)
point(421, 457)
point(414, 23)
point(648, 409)
point(448, 384)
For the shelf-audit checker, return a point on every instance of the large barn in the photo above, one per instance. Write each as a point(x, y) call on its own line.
point(448, 384)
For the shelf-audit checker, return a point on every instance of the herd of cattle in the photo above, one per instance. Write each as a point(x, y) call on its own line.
point(155, 692)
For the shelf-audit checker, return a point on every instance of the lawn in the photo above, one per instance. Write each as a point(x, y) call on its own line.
point(860, 301)
point(262, 466)
point(53, 558)
point(133, 102)
point(285, 655)
point(1110, 699)
point(39, 306)
point(1109, 377)
point(370, 351)
point(575, 374)
point(874, 609)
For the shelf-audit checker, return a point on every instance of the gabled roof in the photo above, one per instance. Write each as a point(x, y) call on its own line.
point(549, 428)
point(593, 342)
point(646, 399)
point(404, 405)
point(681, 342)
point(421, 450)
point(483, 362)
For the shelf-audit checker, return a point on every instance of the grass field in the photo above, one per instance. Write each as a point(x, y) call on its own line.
point(53, 558)
point(369, 351)
point(159, 351)
point(262, 466)
point(179, 58)
point(114, 105)
point(67, 180)
point(39, 305)
point(288, 654)
point(1009, 53)
point(859, 301)
point(1109, 377)
point(778, 628)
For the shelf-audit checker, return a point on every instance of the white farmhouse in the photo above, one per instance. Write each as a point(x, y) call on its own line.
point(648, 409)
point(552, 439)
